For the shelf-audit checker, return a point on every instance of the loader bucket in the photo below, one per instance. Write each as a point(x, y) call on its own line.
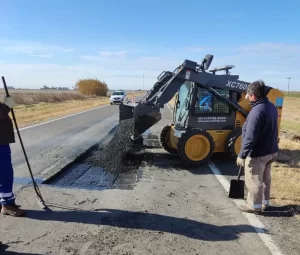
point(126, 111)
point(144, 117)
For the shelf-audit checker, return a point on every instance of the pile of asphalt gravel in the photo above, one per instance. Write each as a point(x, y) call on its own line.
point(120, 154)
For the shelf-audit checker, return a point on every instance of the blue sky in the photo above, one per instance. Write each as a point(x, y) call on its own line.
point(55, 42)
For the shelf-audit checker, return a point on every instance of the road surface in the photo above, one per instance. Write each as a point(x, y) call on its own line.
point(166, 210)
point(51, 145)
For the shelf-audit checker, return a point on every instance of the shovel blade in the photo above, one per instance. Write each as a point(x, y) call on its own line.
point(237, 189)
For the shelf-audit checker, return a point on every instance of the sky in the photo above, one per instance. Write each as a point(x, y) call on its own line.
point(56, 43)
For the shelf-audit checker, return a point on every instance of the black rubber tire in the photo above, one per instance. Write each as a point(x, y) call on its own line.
point(181, 147)
point(165, 133)
point(231, 139)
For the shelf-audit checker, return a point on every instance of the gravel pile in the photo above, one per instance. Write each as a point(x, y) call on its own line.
point(119, 155)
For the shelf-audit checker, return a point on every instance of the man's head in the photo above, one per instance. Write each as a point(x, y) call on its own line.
point(256, 90)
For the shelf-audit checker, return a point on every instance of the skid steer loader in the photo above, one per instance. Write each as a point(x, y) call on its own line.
point(210, 109)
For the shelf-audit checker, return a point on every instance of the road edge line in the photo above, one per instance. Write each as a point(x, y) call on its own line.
point(252, 219)
point(46, 122)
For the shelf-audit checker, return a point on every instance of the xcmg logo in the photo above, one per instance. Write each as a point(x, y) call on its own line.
point(237, 85)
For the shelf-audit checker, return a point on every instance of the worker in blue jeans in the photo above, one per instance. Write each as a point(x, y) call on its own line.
point(7, 199)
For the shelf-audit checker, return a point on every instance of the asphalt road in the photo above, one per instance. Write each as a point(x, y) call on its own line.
point(166, 210)
point(51, 145)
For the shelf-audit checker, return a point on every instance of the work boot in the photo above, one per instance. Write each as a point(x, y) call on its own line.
point(245, 208)
point(265, 207)
point(12, 210)
point(15, 205)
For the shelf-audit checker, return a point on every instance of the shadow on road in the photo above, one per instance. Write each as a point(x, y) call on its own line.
point(146, 221)
point(3, 251)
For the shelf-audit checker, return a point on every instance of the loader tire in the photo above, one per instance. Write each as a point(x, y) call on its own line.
point(165, 140)
point(195, 147)
point(234, 142)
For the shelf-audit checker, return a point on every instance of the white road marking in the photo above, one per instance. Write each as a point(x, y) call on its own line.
point(252, 218)
point(169, 107)
point(62, 118)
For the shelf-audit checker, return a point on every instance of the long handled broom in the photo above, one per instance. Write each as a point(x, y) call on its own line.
point(40, 199)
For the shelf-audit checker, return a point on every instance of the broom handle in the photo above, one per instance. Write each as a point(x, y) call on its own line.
point(240, 172)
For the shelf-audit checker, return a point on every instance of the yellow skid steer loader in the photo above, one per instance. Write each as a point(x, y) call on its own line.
point(210, 109)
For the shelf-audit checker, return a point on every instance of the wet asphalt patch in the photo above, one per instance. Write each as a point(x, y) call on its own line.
point(115, 165)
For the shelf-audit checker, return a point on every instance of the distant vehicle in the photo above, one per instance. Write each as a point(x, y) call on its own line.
point(118, 97)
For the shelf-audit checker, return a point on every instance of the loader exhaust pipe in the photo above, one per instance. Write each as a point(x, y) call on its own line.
point(143, 115)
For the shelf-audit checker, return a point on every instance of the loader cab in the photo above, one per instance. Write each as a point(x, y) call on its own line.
point(197, 107)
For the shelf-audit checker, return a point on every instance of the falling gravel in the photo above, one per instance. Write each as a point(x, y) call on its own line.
point(120, 154)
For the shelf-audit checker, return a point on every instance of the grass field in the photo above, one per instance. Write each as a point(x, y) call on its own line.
point(290, 114)
point(35, 106)
point(286, 171)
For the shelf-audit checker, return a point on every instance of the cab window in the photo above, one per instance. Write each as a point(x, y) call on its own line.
point(207, 103)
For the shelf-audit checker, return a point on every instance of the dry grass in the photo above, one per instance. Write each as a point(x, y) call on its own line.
point(286, 171)
point(92, 87)
point(28, 97)
point(290, 115)
point(35, 96)
point(286, 174)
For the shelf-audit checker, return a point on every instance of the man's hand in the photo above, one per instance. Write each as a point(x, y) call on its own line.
point(240, 162)
point(9, 101)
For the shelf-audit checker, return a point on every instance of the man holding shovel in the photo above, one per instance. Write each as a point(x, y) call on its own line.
point(259, 148)
point(7, 199)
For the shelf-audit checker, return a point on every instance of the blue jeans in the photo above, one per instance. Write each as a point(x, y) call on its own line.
point(6, 176)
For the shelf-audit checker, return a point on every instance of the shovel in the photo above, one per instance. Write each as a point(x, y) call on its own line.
point(237, 187)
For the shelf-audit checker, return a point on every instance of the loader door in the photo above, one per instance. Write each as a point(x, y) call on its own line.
point(182, 103)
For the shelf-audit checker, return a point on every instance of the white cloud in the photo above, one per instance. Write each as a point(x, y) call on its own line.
point(68, 50)
point(194, 49)
point(121, 53)
point(270, 49)
point(43, 55)
point(105, 55)
point(31, 48)
point(268, 61)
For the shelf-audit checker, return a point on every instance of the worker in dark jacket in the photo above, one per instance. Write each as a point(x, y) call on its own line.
point(259, 147)
point(7, 199)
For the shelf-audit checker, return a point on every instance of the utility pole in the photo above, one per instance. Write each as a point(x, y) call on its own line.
point(289, 78)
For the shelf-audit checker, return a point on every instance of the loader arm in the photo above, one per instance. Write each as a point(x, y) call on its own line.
point(147, 112)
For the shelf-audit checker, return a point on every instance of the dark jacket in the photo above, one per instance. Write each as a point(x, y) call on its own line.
point(7, 134)
point(260, 130)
